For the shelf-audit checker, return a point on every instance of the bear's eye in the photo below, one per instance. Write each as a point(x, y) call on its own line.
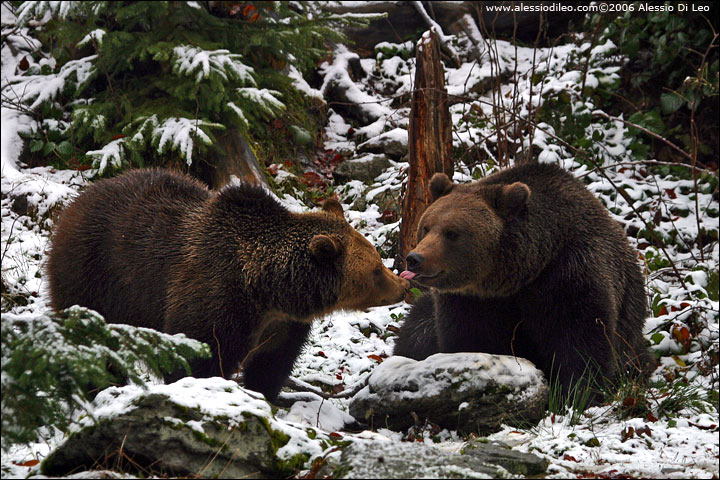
point(377, 272)
point(451, 234)
point(425, 230)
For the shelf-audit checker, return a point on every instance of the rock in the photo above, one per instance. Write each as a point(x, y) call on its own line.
point(342, 95)
point(206, 427)
point(394, 144)
point(468, 392)
point(20, 204)
point(518, 463)
point(408, 460)
point(365, 168)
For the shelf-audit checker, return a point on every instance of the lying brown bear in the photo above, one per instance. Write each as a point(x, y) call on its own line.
point(527, 262)
point(234, 269)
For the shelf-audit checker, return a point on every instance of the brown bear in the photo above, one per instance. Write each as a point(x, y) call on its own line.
point(527, 262)
point(235, 269)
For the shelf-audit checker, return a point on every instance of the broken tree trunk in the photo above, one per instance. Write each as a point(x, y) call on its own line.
point(234, 160)
point(429, 140)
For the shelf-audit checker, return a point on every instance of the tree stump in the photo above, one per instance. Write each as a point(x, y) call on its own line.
point(429, 140)
point(235, 158)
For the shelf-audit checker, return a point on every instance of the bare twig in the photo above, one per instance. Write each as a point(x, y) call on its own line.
point(222, 374)
point(256, 347)
point(695, 136)
point(107, 75)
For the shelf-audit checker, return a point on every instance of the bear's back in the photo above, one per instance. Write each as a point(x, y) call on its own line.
point(563, 208)
point(114, 242)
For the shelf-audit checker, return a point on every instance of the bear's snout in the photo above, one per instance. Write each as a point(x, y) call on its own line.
point(413, 260)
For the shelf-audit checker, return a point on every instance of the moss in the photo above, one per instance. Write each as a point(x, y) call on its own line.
point(205, 439)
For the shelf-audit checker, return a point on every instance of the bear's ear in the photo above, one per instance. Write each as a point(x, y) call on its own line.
point(440, 185)
point(333, 206)
point(326, 247)
point(514, 198)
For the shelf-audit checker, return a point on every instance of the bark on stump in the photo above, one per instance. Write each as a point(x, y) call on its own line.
point(429, 140)
point(237, 160)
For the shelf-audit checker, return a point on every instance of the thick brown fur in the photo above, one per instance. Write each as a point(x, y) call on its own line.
point(235, 269)
point(527, 262)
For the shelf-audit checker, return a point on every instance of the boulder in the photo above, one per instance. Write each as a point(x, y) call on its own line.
point(195, 427)
point(373, 459)
point(394, 144)
point(468, 392)
point(408, 460)
point(517, 463)
point(365, 168)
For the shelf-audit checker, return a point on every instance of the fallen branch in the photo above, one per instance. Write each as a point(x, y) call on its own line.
point(442, 39)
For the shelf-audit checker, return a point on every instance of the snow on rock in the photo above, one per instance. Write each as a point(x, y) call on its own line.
point(338, 86)
point(394, 144)
point(318, 413)
point(408, 460)
point(365, 168)
point(187, 423)
point(495, 389)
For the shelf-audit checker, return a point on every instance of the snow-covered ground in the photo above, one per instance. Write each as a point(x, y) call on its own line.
point(345, 347)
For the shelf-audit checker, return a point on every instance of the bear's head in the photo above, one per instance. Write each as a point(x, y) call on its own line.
point(460, 236)
point(366, 282)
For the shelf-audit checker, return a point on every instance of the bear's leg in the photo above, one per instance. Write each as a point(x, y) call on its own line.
point(470, 324)
point(417, 338)
point(571, 327)
point(268, 367)
point(228, 348)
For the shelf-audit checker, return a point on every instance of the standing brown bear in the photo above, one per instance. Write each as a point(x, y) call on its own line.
point(526, 262)
point(235, 269)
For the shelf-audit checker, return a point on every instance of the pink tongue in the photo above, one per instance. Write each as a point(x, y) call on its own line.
point(407, 274)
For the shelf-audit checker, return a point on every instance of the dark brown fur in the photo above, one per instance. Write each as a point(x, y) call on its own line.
point(235, 270)
point(527, 262)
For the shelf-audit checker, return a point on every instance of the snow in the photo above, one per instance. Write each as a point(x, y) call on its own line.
point(96, 34)
point(265, 98)
point(209, 396)
point(337, 73)
point(41, 88)
point(300, 83)
point(111, 155)
point(461, 371)
point(192, 61)
point(319, 413)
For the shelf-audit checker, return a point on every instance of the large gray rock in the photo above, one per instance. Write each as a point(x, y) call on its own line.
point(518, 463)
point(374, 459)
point(365, 168)
point(468, 392)
point(409, 460)
point(394, 144)
point(205, 427)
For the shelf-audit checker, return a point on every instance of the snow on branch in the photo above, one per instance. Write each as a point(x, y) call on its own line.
point(29, 10)
point(192, 61)
point(177, 133)
point(444, 39)
point(41, 88)
point(111, 155)
point(97, 34)
point(238, 111)
point(265, 99)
